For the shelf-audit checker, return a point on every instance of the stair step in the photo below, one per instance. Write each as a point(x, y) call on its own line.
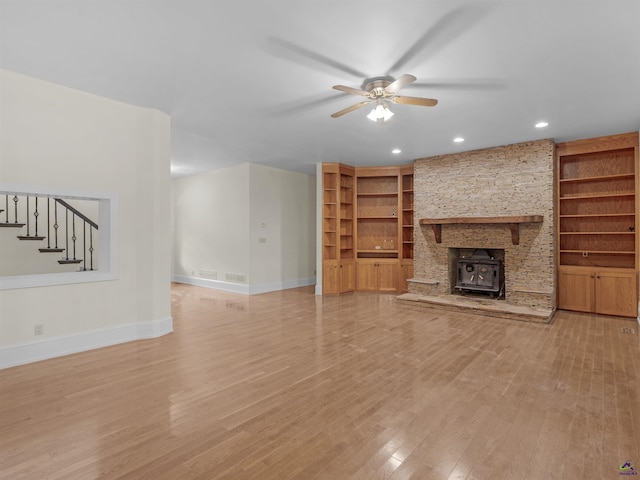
point(51, 250)
point(30, 237)
point(15, 225)
point(64, 262)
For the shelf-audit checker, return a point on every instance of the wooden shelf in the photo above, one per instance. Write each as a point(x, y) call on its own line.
point(588, 215)
point(513, 222)
point(608, 252)
point(379, 250)
point(382, 194)
point(597, 233)
point(620, 176)
point(598, 195)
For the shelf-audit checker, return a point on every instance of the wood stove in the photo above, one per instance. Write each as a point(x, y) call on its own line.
point(480, 273)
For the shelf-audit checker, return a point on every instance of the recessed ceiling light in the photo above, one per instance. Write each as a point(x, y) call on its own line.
point(542, 124)
point(458, 139)
point(396, 151)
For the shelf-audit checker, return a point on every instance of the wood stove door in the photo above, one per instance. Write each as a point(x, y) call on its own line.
point(478, 274)
point(487, 276)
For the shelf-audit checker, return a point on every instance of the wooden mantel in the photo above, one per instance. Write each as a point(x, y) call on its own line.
point(512, 222)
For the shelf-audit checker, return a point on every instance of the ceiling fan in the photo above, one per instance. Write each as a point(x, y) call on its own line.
point(380, 90)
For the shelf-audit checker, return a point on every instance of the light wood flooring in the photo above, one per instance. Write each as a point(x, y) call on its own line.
point(289, 385)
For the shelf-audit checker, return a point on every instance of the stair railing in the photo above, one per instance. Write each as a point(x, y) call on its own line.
point(70, 253)
point(55, 248)
point(6, 222)
point(36, 214)
point(86, 221)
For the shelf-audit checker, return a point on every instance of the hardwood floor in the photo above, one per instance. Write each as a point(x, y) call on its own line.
point(289, 385)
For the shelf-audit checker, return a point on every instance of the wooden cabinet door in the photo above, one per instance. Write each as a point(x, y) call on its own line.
point(377, 275)
point(576, 289)
point(347, 277)
point(330, 279)
point(387, 276)
point(366, 276)
point(616, 293)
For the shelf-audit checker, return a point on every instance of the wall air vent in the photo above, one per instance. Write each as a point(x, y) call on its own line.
point(210, 274)
point(236, 278)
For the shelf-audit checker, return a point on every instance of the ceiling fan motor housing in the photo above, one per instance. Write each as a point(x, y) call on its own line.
point(376, 86)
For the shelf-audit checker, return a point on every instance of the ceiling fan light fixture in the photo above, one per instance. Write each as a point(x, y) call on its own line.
point(380, 112)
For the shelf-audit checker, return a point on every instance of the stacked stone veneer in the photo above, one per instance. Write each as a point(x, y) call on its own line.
point(502, 181)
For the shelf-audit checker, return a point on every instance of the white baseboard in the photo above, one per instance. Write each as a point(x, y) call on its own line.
point(13, 355)
point(277, 286)
point(244, 289)
point(217, 284)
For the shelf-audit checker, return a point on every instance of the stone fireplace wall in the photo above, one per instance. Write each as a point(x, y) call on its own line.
point(502, 181)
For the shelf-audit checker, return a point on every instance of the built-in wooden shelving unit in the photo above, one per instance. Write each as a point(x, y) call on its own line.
point(374, 248)
point(597, 224)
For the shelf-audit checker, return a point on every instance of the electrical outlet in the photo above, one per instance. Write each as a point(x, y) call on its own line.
point(38, 329)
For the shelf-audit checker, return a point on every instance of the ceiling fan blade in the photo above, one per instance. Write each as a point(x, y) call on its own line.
point(465, 84)
point(423, 102)
point(401, 82)
point(442, 33)
point(350, 109)
point(355, 91)
point(285, 49)
point(303, 105)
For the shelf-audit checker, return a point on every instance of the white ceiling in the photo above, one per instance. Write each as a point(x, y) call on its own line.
point(250, 81)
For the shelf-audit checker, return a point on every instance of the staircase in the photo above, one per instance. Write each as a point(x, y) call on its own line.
point(69, 232)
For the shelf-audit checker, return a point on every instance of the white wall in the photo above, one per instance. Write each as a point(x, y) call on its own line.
point(59, 137)
point(247, 221)
point(211, 229)
point(282, 228)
